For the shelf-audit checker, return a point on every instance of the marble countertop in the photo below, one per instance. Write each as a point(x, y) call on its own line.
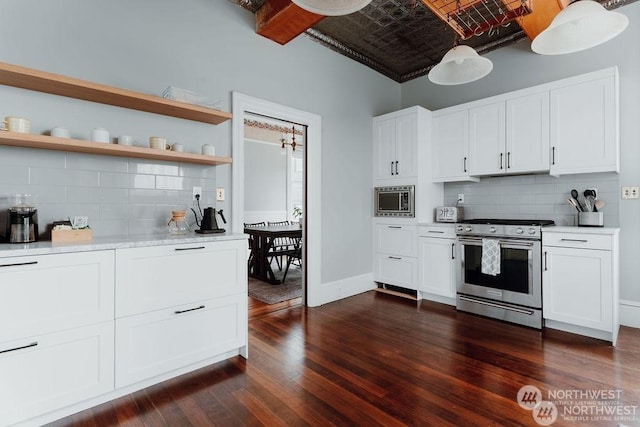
point(111, 242)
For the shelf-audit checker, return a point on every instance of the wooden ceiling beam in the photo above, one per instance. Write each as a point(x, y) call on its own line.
point(542, 15)
point(282, 20)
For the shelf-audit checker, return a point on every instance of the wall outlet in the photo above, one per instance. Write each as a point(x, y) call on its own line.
point(196, 191)
point(631, 192)
point(219, 194)
point(460, 198)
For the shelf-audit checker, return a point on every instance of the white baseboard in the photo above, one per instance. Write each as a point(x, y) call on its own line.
point(630, 313)
point(344, 288)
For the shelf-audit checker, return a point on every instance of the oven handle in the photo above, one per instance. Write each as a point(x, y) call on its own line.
point(502, 306)
point(515, 244)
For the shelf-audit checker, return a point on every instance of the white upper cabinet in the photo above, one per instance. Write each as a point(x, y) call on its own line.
point(450, 147)
point(510, 136)
point(584, 126)
point(395, 146)
point(487, 139)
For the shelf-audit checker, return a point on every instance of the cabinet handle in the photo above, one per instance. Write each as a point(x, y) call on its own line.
point(465, 165)
point(501, 156)
point(391, 168)
point(188, 310)
point(395, 257)
point(574, 240)
point(545, 260)
point(394, 226)
point(508, 159)
point(453, 246)
point(33, 344)
point(436, 232)
point(553, 155)
point(397, 168)
point(18, 264)
point(189, 249)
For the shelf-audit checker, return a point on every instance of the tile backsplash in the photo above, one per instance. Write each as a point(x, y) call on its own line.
point(119, 195)
point(535, 197)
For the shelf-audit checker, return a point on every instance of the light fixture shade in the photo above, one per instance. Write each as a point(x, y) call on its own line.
point(332, 7)
point(581, 25)
point(460, 65)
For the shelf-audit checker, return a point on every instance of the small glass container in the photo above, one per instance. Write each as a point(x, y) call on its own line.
point(178, 223)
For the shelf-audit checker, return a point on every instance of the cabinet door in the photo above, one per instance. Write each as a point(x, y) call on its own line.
point(396, 239)
point(406, 149)
point(157, 277)
point(584, 122)
point(397, 271)
point(436, 273)
point(487, 139)
point(450, 145)
point(527, 125)
point(577, 287)
point(47, 293)
point(43, 373)
point(158, 342)
point(384, 142)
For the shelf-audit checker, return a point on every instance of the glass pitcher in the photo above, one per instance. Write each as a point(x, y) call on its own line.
point(178, 223)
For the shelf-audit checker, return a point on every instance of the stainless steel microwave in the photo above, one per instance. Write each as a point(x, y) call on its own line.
point(397, 201)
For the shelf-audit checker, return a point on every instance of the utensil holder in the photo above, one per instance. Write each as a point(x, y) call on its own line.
point(590, 219)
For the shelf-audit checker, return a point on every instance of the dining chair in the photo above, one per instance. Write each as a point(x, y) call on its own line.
point(281, 245)
point(250, 240)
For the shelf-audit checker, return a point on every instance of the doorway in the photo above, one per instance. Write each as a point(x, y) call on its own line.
point(243, 107)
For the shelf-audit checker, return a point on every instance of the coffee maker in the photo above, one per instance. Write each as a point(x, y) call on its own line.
point(22, 225)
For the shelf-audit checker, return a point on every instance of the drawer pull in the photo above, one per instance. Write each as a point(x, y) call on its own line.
point(395, 257)
point(574, 240)
point(395, 226)
point(18, 264)
point(437, 232)
point(188, 310)
point(189, 249)
point(33, 344)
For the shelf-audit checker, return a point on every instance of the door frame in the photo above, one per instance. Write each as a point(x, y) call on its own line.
point(311, 234)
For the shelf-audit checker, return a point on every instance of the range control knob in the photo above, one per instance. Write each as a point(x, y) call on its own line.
point(532, 231)
point(519, 230)
point(492, 229)
point(468, 228)
point(459, 228)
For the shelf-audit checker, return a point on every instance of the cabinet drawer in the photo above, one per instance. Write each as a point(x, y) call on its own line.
point(158, 277)
point(397, 271)
point(155, 343)
point(47, 293)
point(578, 240)
point(54, 370)
point(447, 231)
point(399, 240)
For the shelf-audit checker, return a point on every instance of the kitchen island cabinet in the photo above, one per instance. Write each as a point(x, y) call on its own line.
point(580, 281)
point(180, 304)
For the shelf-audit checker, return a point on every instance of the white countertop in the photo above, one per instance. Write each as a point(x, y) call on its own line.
point(111, 242)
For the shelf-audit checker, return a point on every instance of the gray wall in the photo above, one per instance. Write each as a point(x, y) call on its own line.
point(516, 67)
point(208, 46)
point(265, 178)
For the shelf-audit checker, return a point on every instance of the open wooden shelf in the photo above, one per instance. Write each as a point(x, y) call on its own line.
point(27, 78)
point(81, 146)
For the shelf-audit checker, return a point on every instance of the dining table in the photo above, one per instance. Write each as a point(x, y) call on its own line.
point(261, 243)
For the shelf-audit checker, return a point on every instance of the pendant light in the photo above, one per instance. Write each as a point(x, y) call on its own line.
point(332, 7)
point(581, 25)
point(460, 65)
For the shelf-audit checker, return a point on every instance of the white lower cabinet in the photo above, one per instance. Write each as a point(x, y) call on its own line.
point(395, 258)
point(437, 263)
point(153, 343)
point(44, 373)
point(580, 283)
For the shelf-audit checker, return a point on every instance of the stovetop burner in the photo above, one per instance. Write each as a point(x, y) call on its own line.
point(532, 222)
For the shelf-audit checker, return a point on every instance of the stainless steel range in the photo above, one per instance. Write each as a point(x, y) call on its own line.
point(503, 281)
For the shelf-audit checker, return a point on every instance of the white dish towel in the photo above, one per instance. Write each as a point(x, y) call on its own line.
point(490, 257)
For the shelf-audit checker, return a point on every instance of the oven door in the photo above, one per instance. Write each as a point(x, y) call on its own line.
point(519, 281)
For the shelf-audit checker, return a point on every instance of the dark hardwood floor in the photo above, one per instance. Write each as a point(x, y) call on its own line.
point(380, 360)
